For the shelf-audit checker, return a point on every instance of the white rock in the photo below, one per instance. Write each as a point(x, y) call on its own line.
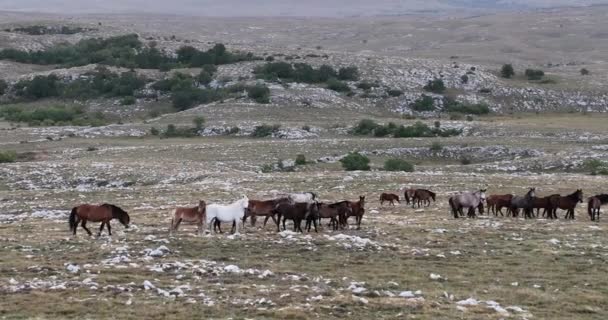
point(406, 294)
point(232, 269)
point(148, 285)
point(468, 302)
point(73, 268)
point(434, 276)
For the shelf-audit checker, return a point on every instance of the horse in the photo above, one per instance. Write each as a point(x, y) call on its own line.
point(263, 208)
point(423, 195)
point(594, 204)
point(357, 209)
point(233, 212)
point(193, 215)
point(496, 202)
point(470, 200)
point(335, 212)
point(549, 204)
point(408, 194)
point(390, 197)
point(568, 203)
point(526, 202)
point(297, 212)
point(307, 197)
point(93, 213)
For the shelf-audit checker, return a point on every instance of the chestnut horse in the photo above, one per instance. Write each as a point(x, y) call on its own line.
point(423, 195)
point(496, 202)
point(568, 203)
point(335, 212)
point(196, 215)
point(390, 197)
point(357, 209)
point(103, 213)
point(263, 208)
point(594, 204)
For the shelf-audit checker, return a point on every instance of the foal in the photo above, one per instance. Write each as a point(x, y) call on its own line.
point(423, 195)
point(390, 197)
point(196, 215)
point(594, 204)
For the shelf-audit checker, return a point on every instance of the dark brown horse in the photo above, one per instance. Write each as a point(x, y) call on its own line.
point(496, 202)
point(594, 204)
point(390, 197)
point(297, 212)
point(548, 204)
point(408, 194)
point(192, 215)
point(103, 213)
point(336, 212)
point(357, 209)
point(423, 195)
point(263, 208)
point(569, 203)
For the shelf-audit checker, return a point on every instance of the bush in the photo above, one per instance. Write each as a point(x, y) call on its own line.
point(198, 122)
point(355, 161)
point(507, 71)
point(127, 101)
point(364, 85)
point(584, 72)
point(435, 86)
point(8, 156)
point(174, 132)
point(204, 78)
point(453, 106)
point(154, 131)
point(348, 74)
point(306, 128)
point(260, 93)
point(3, 87)
point(300, 160)
point(51, 116)
point(265, 130)
point(436, 147)
point(267, 168)
point(364, 127)
point(394, 92)
point(465, 160)
point(337, 85)
point(464, 79)
point(234, 130)
point(596, 166)
point(534, 74)
point(398, 165)
point(424, 103)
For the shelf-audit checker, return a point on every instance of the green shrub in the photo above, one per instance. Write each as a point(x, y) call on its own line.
point(154, 131)
point(306, 128)
point(204, 78)
point(127, 101)
point(465, 160)
point(355, 161)
point(394, 92)
point(3, 87)
point(8, 156)
point(260, 93)
point(198, 122)
point(534, 74)
point(464, 79)
point(174, 132)
point(436, 146)
point(300, 160)
point(398, 165)
point(583, 71)
point(383, 131)
point(435, 86)
point(51, 116)
point(453, 106)
point(337, 85)
point(348, 73)
point(267, 168)
point(234, 130)
point(507, 71)
point(424, 103)
point(596, 166)
point(265, 130)
point(364, 127)
point(364, 85)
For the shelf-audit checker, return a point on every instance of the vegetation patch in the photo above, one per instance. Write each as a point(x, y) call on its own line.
point(355, 161)
point(396, 164)
point(369, 127)
point(52, 116)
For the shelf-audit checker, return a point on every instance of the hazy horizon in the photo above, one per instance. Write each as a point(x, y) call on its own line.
point(268, 8)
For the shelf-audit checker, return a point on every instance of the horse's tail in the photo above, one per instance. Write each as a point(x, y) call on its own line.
point(381, 197)
point(73, 219)
point(433, 194)
point(590, 207)
point(407, 197)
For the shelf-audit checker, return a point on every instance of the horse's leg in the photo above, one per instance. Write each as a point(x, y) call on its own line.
point(235, 227)
point(101, 228)
point(177, 223)
point(314, 221)
point(266, 220)
point(109, 228)
point(84, 226)
point(278, 222)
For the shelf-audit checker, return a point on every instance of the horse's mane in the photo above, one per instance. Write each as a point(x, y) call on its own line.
point(114, 208)
point(602, 197)
point(573, 195)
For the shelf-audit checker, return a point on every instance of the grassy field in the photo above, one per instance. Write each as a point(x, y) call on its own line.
point(403, 263)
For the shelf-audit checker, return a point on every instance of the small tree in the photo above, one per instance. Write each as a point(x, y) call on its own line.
point(507, 71)
point(364, 127)
point(435, 86)
point(348, 73)
point(436, 147)
point(464, 79)
point(3, 87)
point(534, 74)
point(337, 85)
point(355, 161)
point(398, 165)
point(300, 160)
point(154, 131)
point(260, 93)
point(8, 156)
point(424, 103)
point(198, 122)
point(265, 130)
point(584, 72)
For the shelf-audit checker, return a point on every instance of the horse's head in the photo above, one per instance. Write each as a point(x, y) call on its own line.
point(202, 206)
point(313, 209)
point(482, 194)
point(122, 216)
point(532, 192)
point(244, 202)
point(362, 201)
point(579, 194)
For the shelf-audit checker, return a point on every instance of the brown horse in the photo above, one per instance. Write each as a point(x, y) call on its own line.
point(263, 208)
point(423, 195)
point(297, 212)
point(496, 202)
point(357, 209)
point(568, 203)
point(196, 215)
point(103, 213)
point(408, 194)
point(548, 204)
point(390, 197)
point(335, 212)
point(594, 204)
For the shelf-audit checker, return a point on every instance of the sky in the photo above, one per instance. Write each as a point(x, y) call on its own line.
point(315, 8)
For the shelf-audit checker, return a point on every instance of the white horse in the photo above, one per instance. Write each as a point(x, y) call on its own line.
point(307, 197)
point(233, 212)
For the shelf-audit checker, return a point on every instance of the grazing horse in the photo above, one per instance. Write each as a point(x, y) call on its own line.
point(470, 200)
point(408, 194)
point(568, 203)
point(423, 195)
point(496, 202)
point(357, 209)
point(93, 213)
point(263, 208)
point(233, 212)
point(307, 197)
point(390, 197)
point(526, 202)
point(594, 204)
point(335, 212)
point(193, 215)
point(297, 212)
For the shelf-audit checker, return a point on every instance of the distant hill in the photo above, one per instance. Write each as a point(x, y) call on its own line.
point(316, 8)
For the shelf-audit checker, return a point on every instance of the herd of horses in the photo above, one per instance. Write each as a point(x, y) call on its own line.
point(305, 207)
